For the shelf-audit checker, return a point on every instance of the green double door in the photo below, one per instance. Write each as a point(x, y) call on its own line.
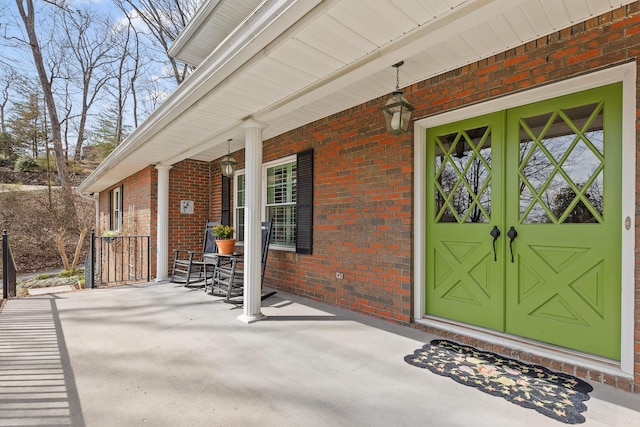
point(524, 221)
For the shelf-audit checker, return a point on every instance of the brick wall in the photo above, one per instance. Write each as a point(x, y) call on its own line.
point(137, 204)
point(362, 215)
point(139, 197)
point(188, 180)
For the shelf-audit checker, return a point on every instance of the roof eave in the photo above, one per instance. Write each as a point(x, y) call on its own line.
point(194, 26)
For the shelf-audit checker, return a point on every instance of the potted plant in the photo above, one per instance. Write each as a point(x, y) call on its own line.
point(224, 238)
point(111, 236)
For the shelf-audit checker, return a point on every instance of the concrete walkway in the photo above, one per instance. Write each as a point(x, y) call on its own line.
point(164, 355)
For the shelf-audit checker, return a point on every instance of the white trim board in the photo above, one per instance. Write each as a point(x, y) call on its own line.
point(626, 74)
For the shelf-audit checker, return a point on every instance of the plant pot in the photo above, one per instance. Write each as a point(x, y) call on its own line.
point(226, 246)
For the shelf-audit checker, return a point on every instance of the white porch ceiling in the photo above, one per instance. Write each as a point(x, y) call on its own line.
point(293, 62)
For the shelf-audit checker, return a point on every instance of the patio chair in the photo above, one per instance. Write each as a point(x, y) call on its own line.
point(189, 266)
point(228, 279)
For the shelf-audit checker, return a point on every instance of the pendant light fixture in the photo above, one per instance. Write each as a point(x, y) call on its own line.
point(397, 110)
point(228, 163)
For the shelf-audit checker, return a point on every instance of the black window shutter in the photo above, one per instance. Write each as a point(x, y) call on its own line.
point(225, 217)
point(304, 203)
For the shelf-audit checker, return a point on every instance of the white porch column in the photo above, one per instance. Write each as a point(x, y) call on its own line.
point(253, 219)
point(162, 243)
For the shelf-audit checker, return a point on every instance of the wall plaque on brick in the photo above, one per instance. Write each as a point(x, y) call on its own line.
point(186, 206)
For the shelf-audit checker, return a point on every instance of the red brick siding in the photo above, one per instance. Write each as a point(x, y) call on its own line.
point(362, 216)
point(188, 180)
point(139, 208)
point(137, 215)
point(363, 178)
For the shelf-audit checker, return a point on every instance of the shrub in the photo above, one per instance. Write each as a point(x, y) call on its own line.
point(32, 225)
point(76, 167)
point(42, 162)
point(26, 164)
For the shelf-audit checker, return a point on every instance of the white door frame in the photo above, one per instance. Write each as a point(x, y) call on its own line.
point(626, 74)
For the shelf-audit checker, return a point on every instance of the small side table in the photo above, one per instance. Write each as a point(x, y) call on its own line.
point(227, 278)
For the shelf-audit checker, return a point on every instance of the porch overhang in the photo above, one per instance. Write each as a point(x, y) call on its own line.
point(291, 62)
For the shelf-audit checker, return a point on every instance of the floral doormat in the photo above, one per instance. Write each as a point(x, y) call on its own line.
point(556, 395)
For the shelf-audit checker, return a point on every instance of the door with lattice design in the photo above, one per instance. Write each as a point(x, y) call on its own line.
point(465, 169)
point(563, 285)
point(550, 184)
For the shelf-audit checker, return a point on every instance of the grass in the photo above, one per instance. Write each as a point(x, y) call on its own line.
point(45, 280)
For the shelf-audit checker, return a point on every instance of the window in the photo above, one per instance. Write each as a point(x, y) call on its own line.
point(115, 210)
point(282, 202)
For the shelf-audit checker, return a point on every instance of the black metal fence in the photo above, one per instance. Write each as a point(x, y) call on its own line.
point(117, 260)
point(8, 269)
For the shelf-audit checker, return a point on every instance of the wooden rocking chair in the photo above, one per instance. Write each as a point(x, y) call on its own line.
point(189, 266)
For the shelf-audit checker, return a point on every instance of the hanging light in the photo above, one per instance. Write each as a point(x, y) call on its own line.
point(397, 110)
point(228, 163)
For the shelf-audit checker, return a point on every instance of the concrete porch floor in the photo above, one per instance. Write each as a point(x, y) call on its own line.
point(165, 355)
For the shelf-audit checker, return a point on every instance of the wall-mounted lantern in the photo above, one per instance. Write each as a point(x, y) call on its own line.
point(397, 110)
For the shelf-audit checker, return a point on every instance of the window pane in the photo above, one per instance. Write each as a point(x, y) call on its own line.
point(117, 209)
point(463, 176)
point(241, 191)
point(284, 224)
point(562, 166)
point(280, 209)
point(281, 184)
point(240, 224)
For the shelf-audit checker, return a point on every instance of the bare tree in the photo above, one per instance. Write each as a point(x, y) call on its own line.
point(27, 13)
point(165, 20)
point(8, 78)
point(126, 72)
point(91, 45)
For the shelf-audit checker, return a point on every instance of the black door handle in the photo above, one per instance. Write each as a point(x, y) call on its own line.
point(495, 233)
point(512, 234)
